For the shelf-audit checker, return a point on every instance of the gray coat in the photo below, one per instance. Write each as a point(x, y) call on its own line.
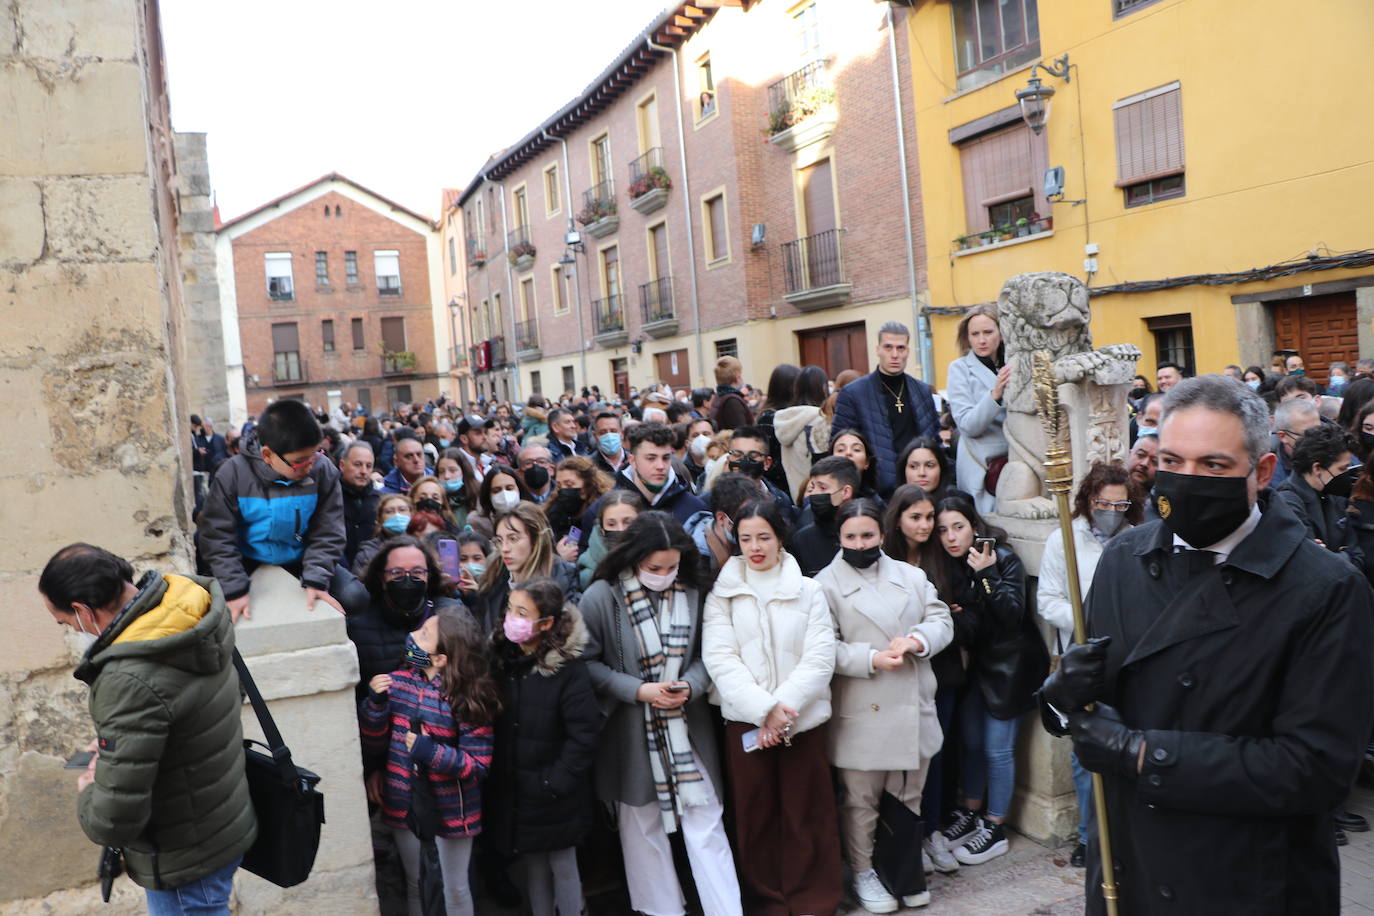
point(979, 419)
point(612, 656)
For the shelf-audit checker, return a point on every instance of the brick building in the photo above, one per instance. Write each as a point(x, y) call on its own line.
point(733, 183)
point(336, 295)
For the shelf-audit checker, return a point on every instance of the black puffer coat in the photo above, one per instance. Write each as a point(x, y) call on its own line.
point(539, 790)
point(379, 634)
point(360, 518)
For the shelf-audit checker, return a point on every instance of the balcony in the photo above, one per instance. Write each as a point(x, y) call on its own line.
point(608, 322)
point(519, 248)
point(288, 368)
point(1022, 230)
point(801, 108)
point(649, 182)
point(527, 340)
point(399, 362)
point(389, 286)
point(598, 214)
point(457, 358)
point(813, 271)
point(477, 253)
point(656, 308)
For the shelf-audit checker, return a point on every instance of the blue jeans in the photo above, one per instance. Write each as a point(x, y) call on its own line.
point(1083, 788)
point(988, 745)
point(205, 896)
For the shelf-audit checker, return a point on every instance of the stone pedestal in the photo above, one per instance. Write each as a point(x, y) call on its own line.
point(306, 668)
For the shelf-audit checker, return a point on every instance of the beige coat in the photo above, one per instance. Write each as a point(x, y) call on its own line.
point(883, 720)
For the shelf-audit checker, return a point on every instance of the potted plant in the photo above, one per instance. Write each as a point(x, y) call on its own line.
point(597, 210)
point(1023, 227)
point(1005, 232)
point(987, 236)
point(651, 180)
point(520, 250)
point(803, 105)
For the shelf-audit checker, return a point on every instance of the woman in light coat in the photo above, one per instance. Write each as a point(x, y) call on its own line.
point(888, 623)
point(1106, 504)
point(803, 431)
point(977, 381)
point(769, 646)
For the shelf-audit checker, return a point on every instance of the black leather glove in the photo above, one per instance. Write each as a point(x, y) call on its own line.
point(1080, 678)
point(1105, 744)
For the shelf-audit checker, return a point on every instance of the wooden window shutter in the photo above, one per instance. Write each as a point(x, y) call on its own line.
point(1149, 136)
point(1000, 166)
point(285, 338)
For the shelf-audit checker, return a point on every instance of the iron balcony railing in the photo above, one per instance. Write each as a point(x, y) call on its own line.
point(477, 253)
point(787, 90)
point(652, 159)
point(288, 368)
point(518, 242)
point(400, 362)
point(656, 300)
point(607, 315)
point(526, 335)
point(389, 286)
point(598, 202)
point(813, 262)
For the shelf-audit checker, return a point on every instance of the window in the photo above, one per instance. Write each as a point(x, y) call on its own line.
point(338, 210)
point(1149, 145)
point(817, 186)
point(286, 351)
point(559, 289)
point(658, 251)
point(397, 395)
point(646, 123)
point(527, 299)
point(321, 268)
point(351, 268)
point(452, 255)
point(536, 383)
point(601, 159)
point(1003, 171)
point(808, 32)
point(713, 218)
point(327, 334)
point(610, 271)
point(494, 319)
point(727, 347)
point(706, 88)
point(1173, 340)
point(388, 268)
point(992, 37)
point(279, 285)
point(394, 335)
point(365, 399)
point(357, 327)
point(569, 380)
point(552, 195)
point(1122, 7)
point(484, 321)
point(521, 206)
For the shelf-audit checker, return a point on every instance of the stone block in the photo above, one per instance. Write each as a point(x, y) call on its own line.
point(33, 639)
point(83, 122)
point(100, 219)
point(9, 36)
point(53, 307)
point(126, 899)
point(41, 842)
point(193, 221)
point(285, 624)
point(21, 223)
point(79, 28)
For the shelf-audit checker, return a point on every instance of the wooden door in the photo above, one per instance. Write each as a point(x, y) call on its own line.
point(672, 368)
point(835, 349)
point(620, 378)
point(1323, 329)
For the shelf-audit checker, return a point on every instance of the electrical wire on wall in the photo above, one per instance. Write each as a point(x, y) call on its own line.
point(1308, 263)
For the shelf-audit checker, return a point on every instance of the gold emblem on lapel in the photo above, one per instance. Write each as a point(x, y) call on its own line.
point(1165, 509)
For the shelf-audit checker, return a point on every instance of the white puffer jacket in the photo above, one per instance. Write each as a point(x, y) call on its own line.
point(1052, 593)
point(764, 650)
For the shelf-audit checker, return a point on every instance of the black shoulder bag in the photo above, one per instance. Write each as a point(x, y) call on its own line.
point(290, 809)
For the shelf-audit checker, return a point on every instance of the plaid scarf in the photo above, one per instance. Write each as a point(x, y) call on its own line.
point(663, 644)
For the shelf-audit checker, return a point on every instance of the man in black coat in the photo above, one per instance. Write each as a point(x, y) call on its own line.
point(1234, 695)
point(359, 498)
point(814, 546)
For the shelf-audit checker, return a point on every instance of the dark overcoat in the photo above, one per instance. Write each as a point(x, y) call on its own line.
point(1252, 683)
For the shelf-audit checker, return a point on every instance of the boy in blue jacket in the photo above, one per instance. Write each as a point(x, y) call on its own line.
point(278, 502)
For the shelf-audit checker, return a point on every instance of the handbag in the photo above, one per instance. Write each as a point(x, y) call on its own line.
point(290, 809)
point(994, 473)
point(897, 847)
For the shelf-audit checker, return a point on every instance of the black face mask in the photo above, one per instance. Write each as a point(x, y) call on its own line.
point(430, 505)
point(1201, 509)
point(821, 507)
point(1367, 442)
point(406, 593)
point(570, 496)
point(862, 559)
point(749, 467)
point(1138, 393)
point(537, 477)
point(1342, 483)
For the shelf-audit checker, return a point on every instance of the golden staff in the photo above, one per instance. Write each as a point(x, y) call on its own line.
point(1059, 480)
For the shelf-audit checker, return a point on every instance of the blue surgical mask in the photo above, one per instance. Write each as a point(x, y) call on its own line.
point(1145, 431)
point(397, 524)
point(1253, 384)
point(1337, 382)
point(415, 656)
point(609, 444)
point(454, 485)
point(444, 443)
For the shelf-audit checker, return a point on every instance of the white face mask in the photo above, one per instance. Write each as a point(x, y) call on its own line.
point(505, 500)
point(698, 446)
point(657, 582)
point(79, 639)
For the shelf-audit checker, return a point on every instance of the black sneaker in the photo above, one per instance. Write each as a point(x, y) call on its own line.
point(1079, 859)
point(1340, 837)
point(988, 841)
point(1351, 822)
point(961, 828)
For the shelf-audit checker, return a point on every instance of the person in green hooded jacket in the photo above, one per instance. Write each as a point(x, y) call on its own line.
point(166, 784)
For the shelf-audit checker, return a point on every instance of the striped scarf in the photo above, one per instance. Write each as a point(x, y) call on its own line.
point(663, 644)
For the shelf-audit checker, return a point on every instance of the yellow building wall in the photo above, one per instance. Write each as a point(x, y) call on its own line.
point(1279, 155)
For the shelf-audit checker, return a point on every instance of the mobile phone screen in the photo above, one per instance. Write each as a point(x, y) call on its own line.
point(448, 557)
point(574, 534)
point(78, 761)
point(750, 740)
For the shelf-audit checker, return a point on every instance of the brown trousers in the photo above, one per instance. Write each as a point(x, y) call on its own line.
point(786, 825)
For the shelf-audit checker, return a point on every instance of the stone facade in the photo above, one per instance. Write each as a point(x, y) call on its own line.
point(207, 391)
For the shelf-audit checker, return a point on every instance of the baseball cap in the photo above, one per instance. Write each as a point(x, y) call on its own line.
point(472, 421)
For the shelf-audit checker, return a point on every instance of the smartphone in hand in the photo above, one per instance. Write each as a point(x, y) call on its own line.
point(989, 543)
point(448, 558)
point(78, 761)
point(750, 740)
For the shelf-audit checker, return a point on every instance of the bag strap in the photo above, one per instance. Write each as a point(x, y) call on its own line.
point(281, 754)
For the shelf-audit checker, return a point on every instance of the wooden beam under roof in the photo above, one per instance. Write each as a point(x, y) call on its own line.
point(683, 21)
point(693, 12)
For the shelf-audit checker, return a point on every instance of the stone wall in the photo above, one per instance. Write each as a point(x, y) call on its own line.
point(207, 390)
point(90, 304)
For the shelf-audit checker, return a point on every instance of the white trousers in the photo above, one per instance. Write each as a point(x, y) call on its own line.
point(649, 872)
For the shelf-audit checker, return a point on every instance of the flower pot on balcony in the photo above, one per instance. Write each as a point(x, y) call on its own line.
point(523, 262)
point(602, 227)
point(811, 129)
point(650, 200)
point(612, 338)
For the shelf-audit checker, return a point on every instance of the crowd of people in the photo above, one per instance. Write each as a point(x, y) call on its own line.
point(746, 616)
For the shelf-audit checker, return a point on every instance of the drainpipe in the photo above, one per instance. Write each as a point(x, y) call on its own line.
point(686, 205)
point(922, 323)
point(577, 288)
point(510, 294)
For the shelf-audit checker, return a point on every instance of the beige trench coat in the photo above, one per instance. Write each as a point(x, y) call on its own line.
point(883, 720)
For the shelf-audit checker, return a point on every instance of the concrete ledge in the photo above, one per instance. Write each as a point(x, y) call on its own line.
point(280, 621)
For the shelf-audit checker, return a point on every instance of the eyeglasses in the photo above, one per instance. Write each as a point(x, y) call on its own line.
point(498, 542)
point(736, 455)
point(303, 464)
point(395, 572)
point(1104, 505)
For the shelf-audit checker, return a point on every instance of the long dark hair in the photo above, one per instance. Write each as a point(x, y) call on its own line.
point(470, 482)
point(549, 598)
point(781, 387)
point(894, 542)
point(811, 387)
point(941, 458)
point(484, 492)
point(651, 532)
point(949, 571)
point(767, 510)
point(868, 477)
point(862, 507)
point(1357, 394)
point(465, 680)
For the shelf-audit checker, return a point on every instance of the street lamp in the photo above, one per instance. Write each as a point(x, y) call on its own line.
point(1035, 98)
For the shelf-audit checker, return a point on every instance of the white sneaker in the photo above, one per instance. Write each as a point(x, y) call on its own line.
point(871, 893)
point(936, 853)
point(912, 901)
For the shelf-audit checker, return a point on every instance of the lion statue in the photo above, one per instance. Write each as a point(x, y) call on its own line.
point(1049, 311)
